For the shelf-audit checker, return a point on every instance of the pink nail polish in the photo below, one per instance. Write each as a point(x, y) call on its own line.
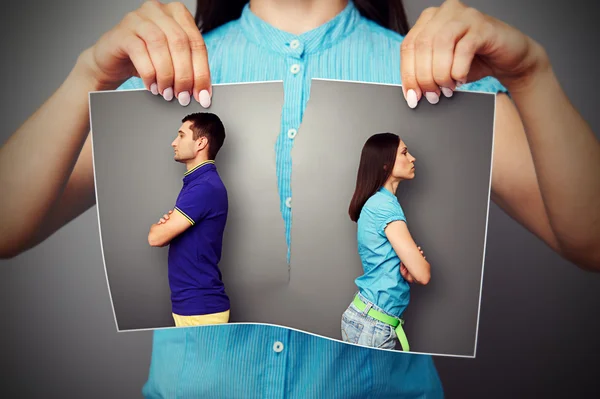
point(168, 94)
point(154, 89)
point(184, 98)
point(411, 98)
point(204, 99)
point(447, 92)
point(432, 97)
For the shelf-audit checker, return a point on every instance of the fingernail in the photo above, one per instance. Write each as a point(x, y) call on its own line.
point(168, 94)
point(411, 98)
point(204, 98)
point(459, 83)
point(154, 89)
point(447, 92)
point(432, 97)
point(184, 98)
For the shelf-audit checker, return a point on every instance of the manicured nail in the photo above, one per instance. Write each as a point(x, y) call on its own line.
point(204, 98)
point(447, 92)
point(432, 97)
point(168, 94)
point(411, 98)
point(154, 89)
point(184, 98)
point(459, 83)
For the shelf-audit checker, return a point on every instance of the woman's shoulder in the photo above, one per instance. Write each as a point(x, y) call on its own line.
point(380, 201)
point(222, 33)
point(372, 30)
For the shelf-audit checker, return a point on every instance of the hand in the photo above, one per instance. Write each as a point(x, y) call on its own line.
point(454, 44)
point(159, 43)
point(405, 273)
point(165, 218)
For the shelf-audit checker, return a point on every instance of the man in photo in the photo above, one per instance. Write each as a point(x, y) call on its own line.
point(194, 228)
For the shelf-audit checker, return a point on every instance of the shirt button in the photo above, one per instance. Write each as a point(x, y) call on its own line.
point(295, 44)
point(288, 202)
point(278, 347)
point(295, 69)
point(292, 133)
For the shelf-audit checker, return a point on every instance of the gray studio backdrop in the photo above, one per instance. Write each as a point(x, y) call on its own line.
point(137, 181)
point(537, 337)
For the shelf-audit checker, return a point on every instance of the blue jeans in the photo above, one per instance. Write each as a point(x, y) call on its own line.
point(359, 328)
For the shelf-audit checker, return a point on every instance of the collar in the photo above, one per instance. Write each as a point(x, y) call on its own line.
point(315, 40)
point(387, 192)
point(198, 170)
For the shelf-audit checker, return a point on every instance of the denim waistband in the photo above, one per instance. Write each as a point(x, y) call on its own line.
point(367, 302)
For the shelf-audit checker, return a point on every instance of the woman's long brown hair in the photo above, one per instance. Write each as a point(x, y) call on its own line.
point(377, 161)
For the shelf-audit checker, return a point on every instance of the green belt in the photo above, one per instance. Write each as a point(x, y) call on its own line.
point(392, 321)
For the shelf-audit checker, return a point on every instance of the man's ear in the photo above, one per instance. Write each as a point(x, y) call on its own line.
point(201, 143)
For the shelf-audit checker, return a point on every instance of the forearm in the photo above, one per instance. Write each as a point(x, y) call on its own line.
point(37, 160)
point(566, 155)
point(158, 237)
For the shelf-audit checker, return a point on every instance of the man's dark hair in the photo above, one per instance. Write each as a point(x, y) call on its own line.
point(205, 124)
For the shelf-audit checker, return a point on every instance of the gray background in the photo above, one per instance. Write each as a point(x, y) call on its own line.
point(137, 181)
point(538, 335)
point(446, 206)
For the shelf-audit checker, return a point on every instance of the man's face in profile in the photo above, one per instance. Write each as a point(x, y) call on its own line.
point(184, 144)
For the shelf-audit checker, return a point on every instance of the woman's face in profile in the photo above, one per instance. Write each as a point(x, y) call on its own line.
point(404, 167)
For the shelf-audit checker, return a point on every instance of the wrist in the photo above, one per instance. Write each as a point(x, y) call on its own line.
point(539, 71)
point(85, 73)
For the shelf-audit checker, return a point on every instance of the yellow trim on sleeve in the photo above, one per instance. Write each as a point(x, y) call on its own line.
point(185, 216)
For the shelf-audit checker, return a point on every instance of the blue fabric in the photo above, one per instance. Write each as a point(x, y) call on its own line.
point(194, 276)
point(381, 282)
point(239, 360)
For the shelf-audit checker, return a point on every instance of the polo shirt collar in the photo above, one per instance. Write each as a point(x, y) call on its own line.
point(198, 170)
point(318, 39)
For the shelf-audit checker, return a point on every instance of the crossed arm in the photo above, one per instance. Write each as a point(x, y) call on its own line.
point(168, 227)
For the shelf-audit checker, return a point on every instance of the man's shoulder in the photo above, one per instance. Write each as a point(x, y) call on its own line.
point(209, 184)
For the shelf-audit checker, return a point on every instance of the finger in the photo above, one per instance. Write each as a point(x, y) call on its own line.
point(170, 212)
point(443, 54)
point(179, 48)
point(469, 44)
point(158, 49)
point(136, 50)
point(161, 220)
point(166, 217)
point(412, 92)
point(202, 90)
point(424, 51)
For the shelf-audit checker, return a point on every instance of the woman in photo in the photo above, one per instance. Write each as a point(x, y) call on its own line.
point(390, 258)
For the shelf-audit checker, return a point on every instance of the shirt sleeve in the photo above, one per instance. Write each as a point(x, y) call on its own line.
point(389, 212)
point(193, 203)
